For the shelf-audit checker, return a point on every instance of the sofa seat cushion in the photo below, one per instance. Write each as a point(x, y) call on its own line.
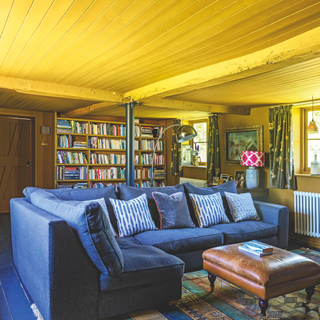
point(245, 230)
point(142, 265)
point(181, 240)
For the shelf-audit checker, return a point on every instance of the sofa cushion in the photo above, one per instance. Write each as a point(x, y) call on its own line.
point(229, 186)
point(80, 195)
point(173, 210)
point(133, 216)
point(241, 207)
point(142, 265)
point(128, 193)
point(181, 240)
point(208, 209)
point(91, 225)
point(246, 230)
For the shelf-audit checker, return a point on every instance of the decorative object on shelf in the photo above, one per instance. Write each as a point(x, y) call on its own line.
point(239, 177)
point(183, 133)
point(186, 154)
point(242, 139)
point(252, 159)
point(312, 127)
point(195, 156)
point(315, 167)
point(224, 177)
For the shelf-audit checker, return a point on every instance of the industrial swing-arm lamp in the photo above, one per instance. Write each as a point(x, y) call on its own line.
point(184, 133)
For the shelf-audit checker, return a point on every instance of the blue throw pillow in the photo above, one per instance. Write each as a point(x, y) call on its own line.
point(242, 207)
point(229, 186)
point(133, 216)
point(128, 193)
point(173, 210)
point(92, 226)
point(209, 209)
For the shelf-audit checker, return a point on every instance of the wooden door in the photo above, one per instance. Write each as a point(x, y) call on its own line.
point(16, 158)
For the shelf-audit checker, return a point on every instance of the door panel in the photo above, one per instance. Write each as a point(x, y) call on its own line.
point(16, 149)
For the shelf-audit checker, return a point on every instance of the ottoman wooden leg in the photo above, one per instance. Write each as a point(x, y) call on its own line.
point(310, 291)
point(263, 304)
point(212, 279)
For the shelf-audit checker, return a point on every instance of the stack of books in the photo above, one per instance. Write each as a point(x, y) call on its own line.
point(159, 173)
point(79, 144)
point(146, 132)
point(257, 248)
point(63, 126)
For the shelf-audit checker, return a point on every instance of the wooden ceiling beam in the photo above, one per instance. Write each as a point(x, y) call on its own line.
point(86, 110)
point(194, 106)
point(59, 90)
point(298, 49)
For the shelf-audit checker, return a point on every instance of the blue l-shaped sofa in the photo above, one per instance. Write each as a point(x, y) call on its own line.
point(74, 268)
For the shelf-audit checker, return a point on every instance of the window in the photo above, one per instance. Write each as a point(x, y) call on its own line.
point(312, 146)
point(201, 140)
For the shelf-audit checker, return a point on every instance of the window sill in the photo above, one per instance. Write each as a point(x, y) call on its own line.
point(306, 175)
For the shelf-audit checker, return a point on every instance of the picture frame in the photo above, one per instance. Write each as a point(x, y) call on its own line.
point(224, 177)
point(240, 183)
point(186, 154)
point(239, 178)
point(242, 139)
point(215, 179)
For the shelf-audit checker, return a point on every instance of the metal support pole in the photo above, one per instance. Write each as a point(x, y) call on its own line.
point(130, 143)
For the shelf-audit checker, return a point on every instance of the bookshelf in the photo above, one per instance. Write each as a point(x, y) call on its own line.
point(90, 152)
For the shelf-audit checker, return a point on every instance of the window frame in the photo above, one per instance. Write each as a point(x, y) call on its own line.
point(305, 139)
point(192, 123)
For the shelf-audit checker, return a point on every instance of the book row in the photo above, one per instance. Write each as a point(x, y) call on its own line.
point(72, 126)
point(150, 145)
point(108, 129)
point(71, 157)
point(66, 141)
point(98, 143)
point(72, 173)
point(147, 159)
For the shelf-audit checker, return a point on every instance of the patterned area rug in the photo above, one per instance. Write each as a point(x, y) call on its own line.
point(229, 302)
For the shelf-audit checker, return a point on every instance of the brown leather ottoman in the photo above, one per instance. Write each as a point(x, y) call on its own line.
point(267, 277)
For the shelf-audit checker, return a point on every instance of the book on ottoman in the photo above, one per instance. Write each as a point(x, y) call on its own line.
point(257, 248)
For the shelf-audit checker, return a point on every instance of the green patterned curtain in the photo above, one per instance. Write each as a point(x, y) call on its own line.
point(176, 159)
point(281, 148)
point(213, 154)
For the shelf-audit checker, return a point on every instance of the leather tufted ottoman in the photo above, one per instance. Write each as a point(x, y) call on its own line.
point(267, 277)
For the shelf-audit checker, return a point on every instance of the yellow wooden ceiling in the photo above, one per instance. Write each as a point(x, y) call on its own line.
point(123, 45)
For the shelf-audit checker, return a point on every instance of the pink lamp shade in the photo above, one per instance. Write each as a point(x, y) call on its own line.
point(252, 158)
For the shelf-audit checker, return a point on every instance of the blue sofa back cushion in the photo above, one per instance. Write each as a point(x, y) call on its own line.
point(128, 193)
point(173, 210)
point(229, 186)
point(80, 195)
point(91, 225)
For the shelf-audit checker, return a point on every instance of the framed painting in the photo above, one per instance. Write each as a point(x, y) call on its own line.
point(242, 139)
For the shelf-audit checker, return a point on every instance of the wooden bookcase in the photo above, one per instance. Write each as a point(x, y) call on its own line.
point(99, 154)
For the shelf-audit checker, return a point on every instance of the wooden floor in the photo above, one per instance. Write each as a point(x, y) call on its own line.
point(14, 300)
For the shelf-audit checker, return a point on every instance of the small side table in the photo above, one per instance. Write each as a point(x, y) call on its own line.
point(258, 194)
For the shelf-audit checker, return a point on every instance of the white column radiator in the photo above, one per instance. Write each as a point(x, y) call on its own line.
point(306, 213)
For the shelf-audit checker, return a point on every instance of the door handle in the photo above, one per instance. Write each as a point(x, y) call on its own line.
point(28, 163)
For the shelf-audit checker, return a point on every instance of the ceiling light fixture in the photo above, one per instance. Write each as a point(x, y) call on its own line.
point(312, 127)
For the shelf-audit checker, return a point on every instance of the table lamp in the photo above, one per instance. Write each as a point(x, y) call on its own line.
point(252, 159)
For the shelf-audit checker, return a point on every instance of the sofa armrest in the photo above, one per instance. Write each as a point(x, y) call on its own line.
point(278, 215)
point(52, 264)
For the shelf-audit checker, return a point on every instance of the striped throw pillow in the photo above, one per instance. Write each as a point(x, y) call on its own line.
point(241, 206)
point(209, 209)
point(133, 216)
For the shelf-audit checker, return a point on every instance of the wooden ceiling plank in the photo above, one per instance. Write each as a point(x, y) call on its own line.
point(93, 42)
point(93, 108)
point(138, 38)
point(220, 44)
point(58, 90)
point(297, 49)
point(192, 106)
